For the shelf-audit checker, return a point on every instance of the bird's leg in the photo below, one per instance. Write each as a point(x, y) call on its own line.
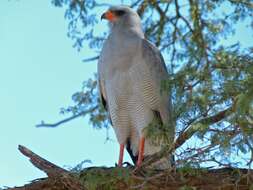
point(121, 154)
point(141, 151)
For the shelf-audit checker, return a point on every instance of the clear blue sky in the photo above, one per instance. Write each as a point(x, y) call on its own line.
point(39, 71)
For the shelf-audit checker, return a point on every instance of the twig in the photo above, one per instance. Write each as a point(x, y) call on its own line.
point(90, 59)
point(52, 125)
point(102, 4)
point(135, 3)
point(247, 4)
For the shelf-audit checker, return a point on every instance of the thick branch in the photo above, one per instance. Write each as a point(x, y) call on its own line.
point(49, 168)
point(99, 178)
point(58, 178)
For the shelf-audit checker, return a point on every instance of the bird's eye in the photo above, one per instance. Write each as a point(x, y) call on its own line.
point(120, 12)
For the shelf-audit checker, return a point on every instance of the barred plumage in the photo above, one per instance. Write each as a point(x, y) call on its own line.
point(131, 71)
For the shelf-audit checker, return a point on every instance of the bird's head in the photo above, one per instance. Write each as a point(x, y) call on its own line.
point(121, 15)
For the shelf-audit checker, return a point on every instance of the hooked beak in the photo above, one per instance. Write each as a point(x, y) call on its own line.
point(109, 15)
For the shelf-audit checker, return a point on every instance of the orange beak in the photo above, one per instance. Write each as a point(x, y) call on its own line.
point(109, 15)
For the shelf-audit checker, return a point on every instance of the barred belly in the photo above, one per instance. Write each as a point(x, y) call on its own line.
point(129, 93)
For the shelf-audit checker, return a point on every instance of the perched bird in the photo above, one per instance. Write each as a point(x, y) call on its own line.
point(130, 73)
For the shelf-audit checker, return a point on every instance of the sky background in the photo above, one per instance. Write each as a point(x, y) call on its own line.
point(39, 71)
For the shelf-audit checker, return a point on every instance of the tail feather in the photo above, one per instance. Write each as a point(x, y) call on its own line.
point(130, 152)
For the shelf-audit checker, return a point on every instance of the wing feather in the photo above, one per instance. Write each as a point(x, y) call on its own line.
point(102, 92)
point(154, 61)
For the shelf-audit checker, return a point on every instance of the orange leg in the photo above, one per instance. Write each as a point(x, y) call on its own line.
point(121, 154)
point(141, 151)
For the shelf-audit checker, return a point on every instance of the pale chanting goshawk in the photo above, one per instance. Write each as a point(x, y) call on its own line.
point(130, 73)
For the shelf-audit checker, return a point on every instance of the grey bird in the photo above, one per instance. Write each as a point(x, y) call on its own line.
point(130, 73)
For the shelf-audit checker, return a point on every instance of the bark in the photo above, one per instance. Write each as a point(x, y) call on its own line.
point(115, 178)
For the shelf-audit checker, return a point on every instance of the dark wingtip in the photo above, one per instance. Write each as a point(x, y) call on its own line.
point(130, 152)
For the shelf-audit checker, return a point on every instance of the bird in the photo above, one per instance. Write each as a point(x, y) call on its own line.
point(130, 72)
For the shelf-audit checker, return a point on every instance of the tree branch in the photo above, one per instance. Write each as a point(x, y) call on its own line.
point(99, 178)
point(91, 59)
point(49, 168)
point(207, 121)
point(58, 178)
point(187, 134)
point(52, 125)
point(248, 4)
